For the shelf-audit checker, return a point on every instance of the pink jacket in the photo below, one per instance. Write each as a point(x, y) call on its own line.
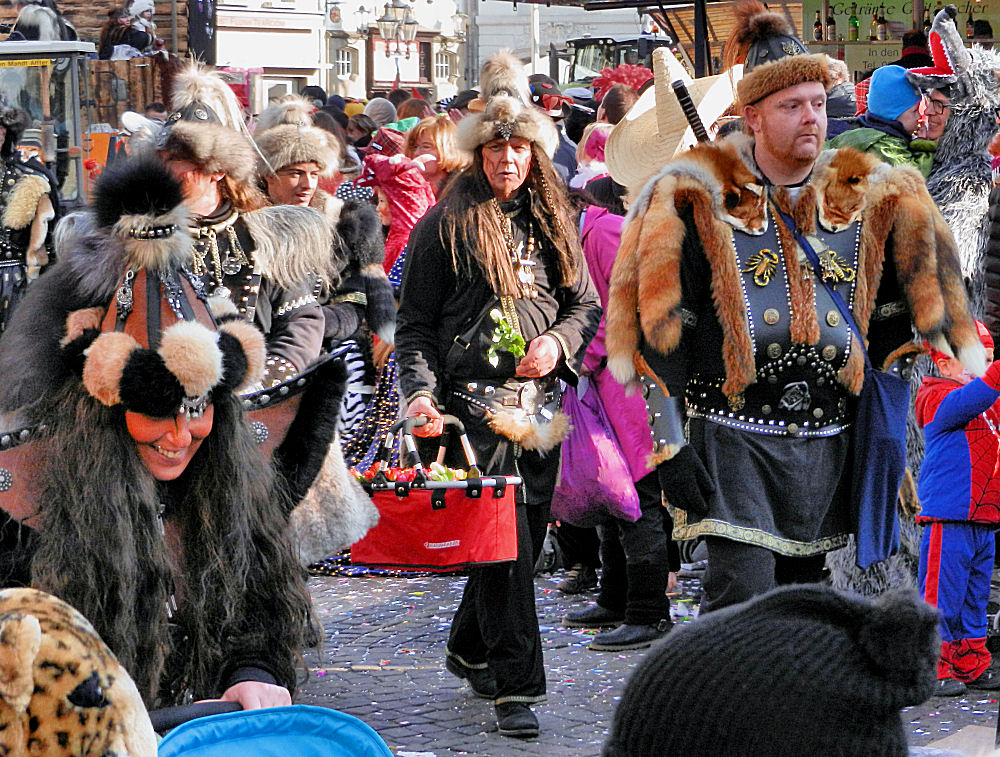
point(627, 412)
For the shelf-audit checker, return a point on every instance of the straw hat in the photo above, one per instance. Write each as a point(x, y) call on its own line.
point(655, 129)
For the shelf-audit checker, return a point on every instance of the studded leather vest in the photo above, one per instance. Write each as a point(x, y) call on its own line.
point(796, 392)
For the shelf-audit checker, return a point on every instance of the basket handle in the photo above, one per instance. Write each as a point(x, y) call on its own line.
point(404, 429)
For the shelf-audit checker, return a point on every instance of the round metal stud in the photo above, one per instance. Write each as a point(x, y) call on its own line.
point(793, 429)
point(818, 412)
point(833, 318)
point(829, 352)
point(260, 432)
point(774, 351)
point(771, 316)
point(6, 480)
point(765, 409)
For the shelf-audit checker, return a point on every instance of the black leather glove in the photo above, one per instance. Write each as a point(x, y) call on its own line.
point(685, 482)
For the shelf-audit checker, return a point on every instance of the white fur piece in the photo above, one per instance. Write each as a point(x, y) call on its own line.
point(219, 306)
point(37, 256)
point(623, 370)
point(191, 352)
point(528, 122)
point(163, 254)
point(335, 513)
point(940, 343)
point(293, 244)
point(973, 358)
point(291, 109)
point(22, 204)
point(505, 73)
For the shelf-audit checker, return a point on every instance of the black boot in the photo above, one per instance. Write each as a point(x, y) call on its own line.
point(481, 680)
point(630, 636)
point(593, 616)
point(516, 719)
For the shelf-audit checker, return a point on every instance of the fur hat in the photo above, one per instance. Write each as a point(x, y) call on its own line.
point(504, 109)
point(213, 147)
point(207, 125)
point(768, 78)
point(286, 144)
point(138, 7)
point(159, 349)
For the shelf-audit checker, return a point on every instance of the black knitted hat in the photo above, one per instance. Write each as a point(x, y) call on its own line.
point(801, 670)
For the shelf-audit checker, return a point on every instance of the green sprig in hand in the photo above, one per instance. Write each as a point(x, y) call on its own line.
point(505, 339)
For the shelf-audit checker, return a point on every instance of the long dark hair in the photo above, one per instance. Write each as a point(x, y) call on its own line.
point(470, 226)
point(241, 591)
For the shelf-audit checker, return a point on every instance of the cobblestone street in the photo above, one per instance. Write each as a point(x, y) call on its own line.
point(383, 662)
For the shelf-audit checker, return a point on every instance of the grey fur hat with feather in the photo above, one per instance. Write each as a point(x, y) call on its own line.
point(504, 110)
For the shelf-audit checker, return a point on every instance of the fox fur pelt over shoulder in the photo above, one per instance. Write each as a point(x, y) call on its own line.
point(645, 291)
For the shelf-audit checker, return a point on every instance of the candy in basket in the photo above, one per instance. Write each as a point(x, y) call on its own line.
point(433, 519)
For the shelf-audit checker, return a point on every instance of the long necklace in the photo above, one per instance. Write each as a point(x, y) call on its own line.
point(520, 253)
point(206, 249)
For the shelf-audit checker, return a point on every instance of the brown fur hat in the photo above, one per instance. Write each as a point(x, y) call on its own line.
point(787, 72)
point(286, 144)
point(505, 110)
point(213, 147)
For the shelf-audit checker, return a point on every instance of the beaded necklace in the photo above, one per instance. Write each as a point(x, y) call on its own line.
point(520, 253)
point(206, 248)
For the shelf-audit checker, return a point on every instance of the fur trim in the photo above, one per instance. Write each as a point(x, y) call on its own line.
point(503, 73)
point(36, 22)
point(291, 265)
point(524, 121)
point(22, 204)
point(254, 350)
point(164, 253)
point(360, 232)
point(773, 77)
point(80, 321)
point(221, 307)
point(106, 358)
point(753, 22)
point(540, 437)
point(287, 144)
point(293, 109)
point(335, 513)
point(191, 352)
point(213, 147)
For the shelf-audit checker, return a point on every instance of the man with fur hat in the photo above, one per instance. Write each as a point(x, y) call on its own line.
point(714, 300)
point(496, 305)
point(293, 155)
point(265, 259)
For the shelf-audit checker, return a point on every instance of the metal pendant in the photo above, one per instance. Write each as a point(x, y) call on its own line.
point(231, 266)
point(221, 291)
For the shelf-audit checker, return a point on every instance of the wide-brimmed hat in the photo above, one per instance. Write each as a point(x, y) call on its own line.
point(655, 129)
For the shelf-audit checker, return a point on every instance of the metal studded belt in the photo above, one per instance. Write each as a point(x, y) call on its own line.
point(534, 397)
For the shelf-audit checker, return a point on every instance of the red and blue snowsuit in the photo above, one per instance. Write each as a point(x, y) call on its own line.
point(959, 492)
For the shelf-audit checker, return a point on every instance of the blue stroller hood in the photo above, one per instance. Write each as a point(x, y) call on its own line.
point(297, 731)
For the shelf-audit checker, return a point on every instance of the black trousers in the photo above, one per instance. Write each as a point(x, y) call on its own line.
point(737, 571)
point(635, 560)
point(496, 625)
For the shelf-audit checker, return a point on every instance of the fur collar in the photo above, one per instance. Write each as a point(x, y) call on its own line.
point(645, 291)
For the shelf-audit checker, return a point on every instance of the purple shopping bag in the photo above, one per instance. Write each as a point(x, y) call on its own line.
point(595, 483)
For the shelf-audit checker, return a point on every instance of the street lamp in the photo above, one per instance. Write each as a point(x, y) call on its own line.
point(397, 26)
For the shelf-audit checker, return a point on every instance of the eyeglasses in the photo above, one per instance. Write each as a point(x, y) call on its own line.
point(936, 106)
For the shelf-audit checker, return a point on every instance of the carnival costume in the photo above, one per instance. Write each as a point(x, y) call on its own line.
point(265, 261)
point(29, 206)
point(190, 580)
point(449, 313)
point(711, 289)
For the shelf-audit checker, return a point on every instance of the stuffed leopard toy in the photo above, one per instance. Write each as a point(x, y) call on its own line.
point(62, 691)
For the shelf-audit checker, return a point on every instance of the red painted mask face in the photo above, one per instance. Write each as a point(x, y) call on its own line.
point(167, 445)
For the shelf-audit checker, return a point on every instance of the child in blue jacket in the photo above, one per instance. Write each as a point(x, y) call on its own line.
point(959, 492)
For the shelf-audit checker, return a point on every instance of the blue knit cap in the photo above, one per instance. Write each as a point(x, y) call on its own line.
point(890, 93)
